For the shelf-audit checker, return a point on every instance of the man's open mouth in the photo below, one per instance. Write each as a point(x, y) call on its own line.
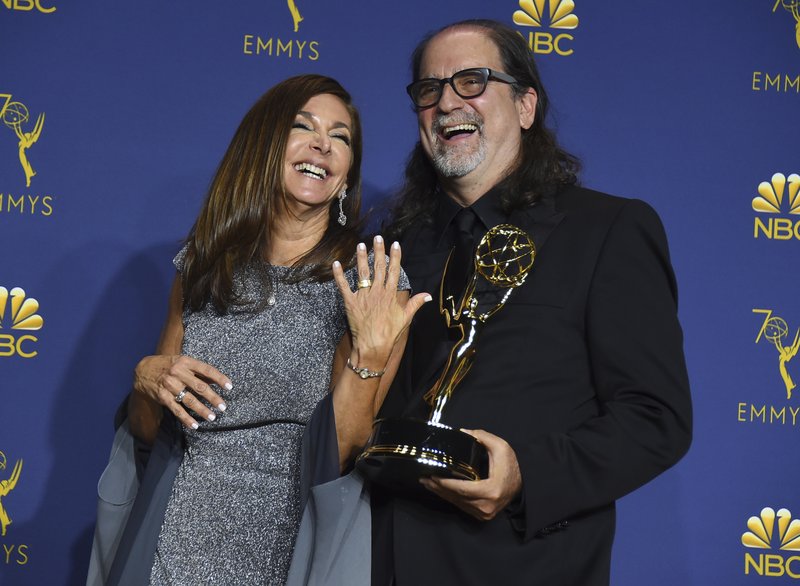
point(459, 129)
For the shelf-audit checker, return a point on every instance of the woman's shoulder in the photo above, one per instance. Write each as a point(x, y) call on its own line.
point(180, 258)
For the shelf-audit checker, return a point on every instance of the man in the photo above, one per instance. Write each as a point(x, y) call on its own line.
point(579, 389)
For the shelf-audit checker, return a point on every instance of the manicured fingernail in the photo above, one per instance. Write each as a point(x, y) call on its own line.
point(211, 417)
point(362, 246)
point(222, 406)
point(395, 245)
point(379, 239)
point(228, 386)
point(195, 426)
point(336, 264)
point(428, 298)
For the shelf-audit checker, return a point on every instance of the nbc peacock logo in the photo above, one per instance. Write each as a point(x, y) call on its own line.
point(762, 532)
point(770, 531)
point(779, 195)
point(557, 15)
point(20, 312)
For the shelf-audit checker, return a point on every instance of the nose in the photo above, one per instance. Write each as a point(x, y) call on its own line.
point(449, 100)
point(321, 143)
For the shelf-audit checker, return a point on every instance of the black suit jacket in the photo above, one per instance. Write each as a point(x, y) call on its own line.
point(582, 373)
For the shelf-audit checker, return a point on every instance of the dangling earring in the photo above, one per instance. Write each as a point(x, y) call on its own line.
point(342, 219)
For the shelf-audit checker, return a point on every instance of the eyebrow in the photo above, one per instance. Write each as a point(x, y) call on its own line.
point(311, 116)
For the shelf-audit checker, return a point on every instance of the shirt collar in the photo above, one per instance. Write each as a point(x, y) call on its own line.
point(487, 208)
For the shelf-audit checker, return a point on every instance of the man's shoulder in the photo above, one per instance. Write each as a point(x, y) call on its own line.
point(595, 205)
point(577, 198)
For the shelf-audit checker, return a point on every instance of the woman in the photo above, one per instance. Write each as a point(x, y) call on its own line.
point(256, 299)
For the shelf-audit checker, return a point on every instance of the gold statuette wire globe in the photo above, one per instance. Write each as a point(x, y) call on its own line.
point(505, 256)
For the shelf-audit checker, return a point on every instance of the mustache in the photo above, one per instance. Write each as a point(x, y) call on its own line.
point(443, 120)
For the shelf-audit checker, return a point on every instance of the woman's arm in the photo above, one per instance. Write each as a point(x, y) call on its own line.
point(158, 379)
point(354, 417)
point(378, 317)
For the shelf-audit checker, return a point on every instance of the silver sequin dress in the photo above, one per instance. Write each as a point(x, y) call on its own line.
point(233, 514)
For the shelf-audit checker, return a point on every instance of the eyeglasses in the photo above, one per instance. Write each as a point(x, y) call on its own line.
point(467, 83)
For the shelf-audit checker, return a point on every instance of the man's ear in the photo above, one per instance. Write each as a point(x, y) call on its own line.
point(526, 106)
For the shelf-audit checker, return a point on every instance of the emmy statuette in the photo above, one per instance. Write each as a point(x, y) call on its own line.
point(400, 451)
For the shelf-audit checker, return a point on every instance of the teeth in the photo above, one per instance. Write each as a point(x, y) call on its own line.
point(453, 129)
point(311, 170)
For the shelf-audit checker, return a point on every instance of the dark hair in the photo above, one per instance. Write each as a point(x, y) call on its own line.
point(235, 222)
point(542, 166)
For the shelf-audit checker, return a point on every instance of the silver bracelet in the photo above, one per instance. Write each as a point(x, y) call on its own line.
point(364, 373)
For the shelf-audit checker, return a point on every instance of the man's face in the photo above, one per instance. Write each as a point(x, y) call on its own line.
point(475, 138)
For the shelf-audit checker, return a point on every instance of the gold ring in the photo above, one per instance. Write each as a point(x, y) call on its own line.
point(365, 283)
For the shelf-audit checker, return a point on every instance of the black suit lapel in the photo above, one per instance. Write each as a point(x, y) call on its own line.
point(539, 221)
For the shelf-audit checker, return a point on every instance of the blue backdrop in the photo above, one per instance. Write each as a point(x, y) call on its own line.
point(114, 116)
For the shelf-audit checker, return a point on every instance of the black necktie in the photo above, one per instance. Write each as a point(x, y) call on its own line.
point(462, 262)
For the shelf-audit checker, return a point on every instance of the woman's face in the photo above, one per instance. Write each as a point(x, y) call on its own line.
point(318, 154)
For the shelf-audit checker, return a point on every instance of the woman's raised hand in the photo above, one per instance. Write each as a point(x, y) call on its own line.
point(177, 382)
point(376, 314)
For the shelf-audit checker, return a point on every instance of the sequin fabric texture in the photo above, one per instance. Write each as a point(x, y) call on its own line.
point(234, 511)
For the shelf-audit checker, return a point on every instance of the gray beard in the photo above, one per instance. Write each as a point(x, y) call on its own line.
point(451, 162)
